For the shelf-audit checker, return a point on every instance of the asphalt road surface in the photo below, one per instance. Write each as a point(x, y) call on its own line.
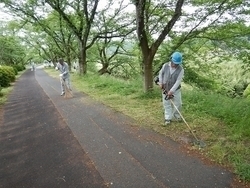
point(48, 141)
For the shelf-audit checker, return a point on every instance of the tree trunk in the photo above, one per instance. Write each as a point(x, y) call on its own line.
point(104, 69)
point(82, 59)
point(148, 72)
point(68, 61)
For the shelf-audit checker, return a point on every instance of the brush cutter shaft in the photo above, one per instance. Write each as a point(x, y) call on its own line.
point(197, 142)
point(183, 119)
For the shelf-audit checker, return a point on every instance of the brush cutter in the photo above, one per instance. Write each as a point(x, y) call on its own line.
point(197, 142)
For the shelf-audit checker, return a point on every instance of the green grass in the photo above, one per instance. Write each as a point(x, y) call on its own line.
point(230, 141)
point(4, 94)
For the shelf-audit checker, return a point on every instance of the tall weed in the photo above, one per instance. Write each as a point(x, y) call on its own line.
point(234, 112)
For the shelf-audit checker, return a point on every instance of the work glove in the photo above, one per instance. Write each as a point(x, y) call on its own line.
point(60, 75)
point(56, 68)
point(169, 97)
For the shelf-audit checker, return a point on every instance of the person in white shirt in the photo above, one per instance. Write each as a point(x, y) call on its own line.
point(33, 68)
point(170, 77)
point(63, 67)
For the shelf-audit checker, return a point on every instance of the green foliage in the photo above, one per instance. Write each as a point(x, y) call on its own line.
point(19, 67)
point(15, 70)
point(246, 92)
point(11, 50)
point(125, 68)
point(11, 72)
point(7, 75)
point(232, 78)
point(4, 78)
point(193, 78)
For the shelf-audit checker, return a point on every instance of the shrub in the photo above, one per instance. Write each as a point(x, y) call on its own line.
point(11, 73)
point(7, 75)
point(4, 78)
point(19, 67)
point(15, 69)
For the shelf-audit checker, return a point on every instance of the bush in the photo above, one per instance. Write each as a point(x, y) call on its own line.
point(15, 69)
point(11, 73)
point(19, 67)
point(7, 75)
point(4, 78)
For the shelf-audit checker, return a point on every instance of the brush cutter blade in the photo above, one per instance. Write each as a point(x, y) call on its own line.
point(200, 143)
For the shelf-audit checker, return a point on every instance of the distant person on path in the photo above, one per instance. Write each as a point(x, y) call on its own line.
point(33, 68)
point(170, 77)
point(63, 67)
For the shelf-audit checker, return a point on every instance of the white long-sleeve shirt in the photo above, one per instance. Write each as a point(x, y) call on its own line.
point(64, 69)
point(162, 80)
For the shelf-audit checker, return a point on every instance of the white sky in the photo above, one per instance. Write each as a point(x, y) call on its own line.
point(4, 16)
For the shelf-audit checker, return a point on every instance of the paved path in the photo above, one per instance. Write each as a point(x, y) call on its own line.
point(37, 148)
point(48, 141)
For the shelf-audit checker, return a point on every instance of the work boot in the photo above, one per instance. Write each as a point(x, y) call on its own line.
point(166, 122)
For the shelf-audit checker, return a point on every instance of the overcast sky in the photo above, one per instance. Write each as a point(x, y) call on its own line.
point(4, 16)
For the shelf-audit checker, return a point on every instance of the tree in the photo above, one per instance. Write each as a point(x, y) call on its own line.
point(178, 22)
point(201, 29)
point(113, 27)
point(43, 21)
point(80, 23)
point(143, 34)
point(11, 51)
